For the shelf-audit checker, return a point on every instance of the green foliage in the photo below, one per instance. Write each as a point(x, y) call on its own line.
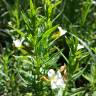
point(33, 23)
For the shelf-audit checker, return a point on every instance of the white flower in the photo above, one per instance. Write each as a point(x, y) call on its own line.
point(60, 81)
point(62, 31)
point(56, 79)
point(9, 23)
point(18, 43)
point(53, 84)
point(51, 73)
point(80, 46)
point(94, 2)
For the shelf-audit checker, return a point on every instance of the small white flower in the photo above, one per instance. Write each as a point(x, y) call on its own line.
point(80, 46)
point(60, 81)
point(94, 2)
point(51, 73)
point(18, 43)
point(62, 31)
point(53, 84)
point(56, 79)
point(9, 23)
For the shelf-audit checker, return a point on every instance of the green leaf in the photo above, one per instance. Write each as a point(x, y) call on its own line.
point(85, 11)
point(87, 77)
point(94, 93)
point(78, 74)
point(46, 34)
point(77, 91)
point(85, 45)
point(62, 54)
point(32, 9)
point(24, 17)
point(18, 31)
